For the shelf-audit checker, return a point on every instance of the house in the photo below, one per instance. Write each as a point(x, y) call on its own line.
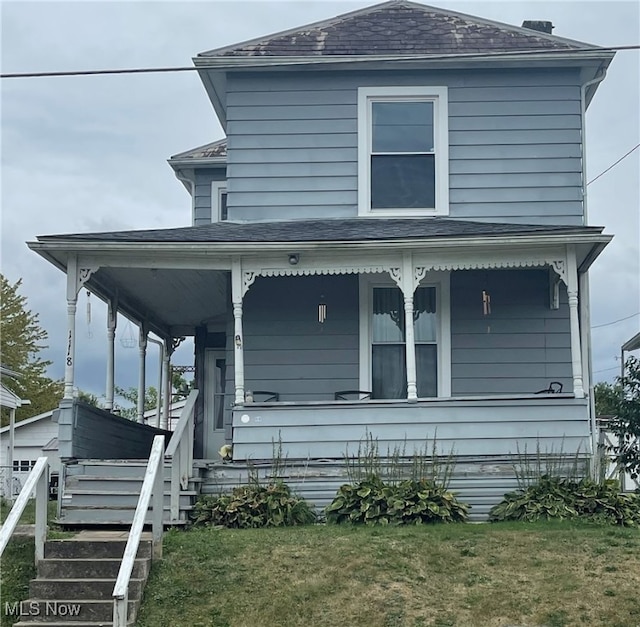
point(390, 242)
point(32, 438)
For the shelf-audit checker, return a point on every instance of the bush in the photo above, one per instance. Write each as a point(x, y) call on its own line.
point(560, 498)
point(254, 505)
point(411, 502)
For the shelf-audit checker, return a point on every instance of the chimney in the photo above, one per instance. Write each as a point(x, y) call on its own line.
point(540, 25)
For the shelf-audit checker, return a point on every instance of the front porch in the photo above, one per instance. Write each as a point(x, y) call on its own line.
point(454, 334)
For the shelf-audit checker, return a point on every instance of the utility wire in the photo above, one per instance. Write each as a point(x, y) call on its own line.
point(613, 165)
point(606, 369)
point(278, 60)
point(606, 324)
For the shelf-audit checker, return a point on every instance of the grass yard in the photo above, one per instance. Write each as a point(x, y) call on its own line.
point(29, 515)
point(552, 574)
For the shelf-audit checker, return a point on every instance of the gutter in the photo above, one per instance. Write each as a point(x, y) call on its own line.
point(237, 247)
point(229, 62)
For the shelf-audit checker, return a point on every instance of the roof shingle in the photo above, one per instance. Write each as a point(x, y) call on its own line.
point(329, 230)
point(397, 27)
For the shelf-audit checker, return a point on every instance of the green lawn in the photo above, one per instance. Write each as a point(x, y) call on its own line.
point(469, 575)
point(552, 574)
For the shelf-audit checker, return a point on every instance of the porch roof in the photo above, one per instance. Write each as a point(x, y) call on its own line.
point(327, 230)
point(192, 263)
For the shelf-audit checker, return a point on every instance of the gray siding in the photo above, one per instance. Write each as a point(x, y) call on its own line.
point(472, 428)
point(514, 143)
point(202, 198)
point(286, 349)
point(520, 347)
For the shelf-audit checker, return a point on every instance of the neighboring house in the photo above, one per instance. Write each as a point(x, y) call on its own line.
point(33, 437)
point(391, 240)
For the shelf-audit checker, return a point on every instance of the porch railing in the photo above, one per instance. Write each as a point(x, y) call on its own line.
point(38, 479)
point(179, 453)
point(152, 486)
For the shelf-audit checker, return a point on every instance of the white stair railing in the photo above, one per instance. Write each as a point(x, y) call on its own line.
point(38, 479)
point(179, 453)
point(153, 485)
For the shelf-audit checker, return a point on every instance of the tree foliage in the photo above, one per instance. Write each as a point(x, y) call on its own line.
point(21, 341)
point(626, 421)
point(606, 397)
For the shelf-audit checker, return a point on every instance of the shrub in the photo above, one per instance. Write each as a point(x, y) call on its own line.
point(254, 505)
point(562, 498)
point(411, 502)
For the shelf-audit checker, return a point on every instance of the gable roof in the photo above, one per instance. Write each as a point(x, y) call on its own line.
point(398, 27)
point(29, 421)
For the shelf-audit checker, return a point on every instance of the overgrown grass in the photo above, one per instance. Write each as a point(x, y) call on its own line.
point(553, 574)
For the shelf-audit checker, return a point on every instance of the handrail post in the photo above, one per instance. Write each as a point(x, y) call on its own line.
point(42, 488)
point(175, 485)
point(157, 508)
point(37, 480)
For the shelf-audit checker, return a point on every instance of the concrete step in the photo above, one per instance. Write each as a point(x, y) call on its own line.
point(72, 611)
point(88, 568)
point(53, 589)
point(95, 549)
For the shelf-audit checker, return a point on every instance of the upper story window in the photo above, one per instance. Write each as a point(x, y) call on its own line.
point(219, 201)
point(403, 151)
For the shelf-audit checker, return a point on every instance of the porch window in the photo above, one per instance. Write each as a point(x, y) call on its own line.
point(402, 145)
point(388, 362)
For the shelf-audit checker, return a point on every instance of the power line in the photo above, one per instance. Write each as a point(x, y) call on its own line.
point(606, 369)
point(462, 55)
point(613, 165)
point(606, 324)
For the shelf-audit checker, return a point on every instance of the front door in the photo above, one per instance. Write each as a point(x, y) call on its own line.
point(214, 402)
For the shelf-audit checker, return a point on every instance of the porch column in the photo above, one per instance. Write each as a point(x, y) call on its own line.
point(142, 373)
point(238, 350)
point(166, 376)
point(72, 301)
point(112, 318)
point(408, 289)
point(572, 293)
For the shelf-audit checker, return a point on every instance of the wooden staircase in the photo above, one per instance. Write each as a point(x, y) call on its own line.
point(76, 578)
point(105, 492)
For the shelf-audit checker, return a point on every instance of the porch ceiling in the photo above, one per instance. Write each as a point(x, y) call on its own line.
point(170, 300)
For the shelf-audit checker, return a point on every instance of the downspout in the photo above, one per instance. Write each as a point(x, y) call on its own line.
point(192, 190)
point(585, 297)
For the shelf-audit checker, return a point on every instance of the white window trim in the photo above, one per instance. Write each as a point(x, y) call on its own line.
point(439, 96)
point(441, 281)
point(217, 187)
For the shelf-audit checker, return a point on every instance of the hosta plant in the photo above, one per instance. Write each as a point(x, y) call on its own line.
point(375, 502)
point(561, 498)
point(254, 505)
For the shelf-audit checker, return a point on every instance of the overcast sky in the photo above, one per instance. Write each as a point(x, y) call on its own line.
point(89, 153)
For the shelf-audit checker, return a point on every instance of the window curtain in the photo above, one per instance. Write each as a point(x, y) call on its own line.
point(388, 371)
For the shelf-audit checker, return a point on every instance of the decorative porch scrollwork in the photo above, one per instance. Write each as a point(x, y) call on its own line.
point(84, 274)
